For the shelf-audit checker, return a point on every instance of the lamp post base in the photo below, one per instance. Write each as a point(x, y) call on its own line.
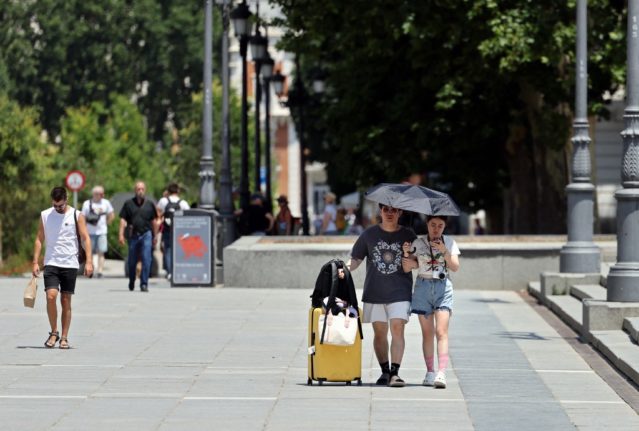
point(623, 278)
point(580, 258)
point(623, 283)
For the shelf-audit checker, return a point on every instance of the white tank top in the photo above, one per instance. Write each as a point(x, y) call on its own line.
point(60, 238)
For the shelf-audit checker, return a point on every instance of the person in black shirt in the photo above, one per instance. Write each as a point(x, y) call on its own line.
point(139, 219)
point(255, 219)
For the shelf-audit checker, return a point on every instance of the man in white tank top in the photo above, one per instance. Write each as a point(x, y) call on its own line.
point(60, 226)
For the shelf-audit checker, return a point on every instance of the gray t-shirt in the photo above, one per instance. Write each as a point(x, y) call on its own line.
point(386, 281)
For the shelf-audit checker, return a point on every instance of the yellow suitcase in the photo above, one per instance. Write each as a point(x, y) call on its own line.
point(329, 363)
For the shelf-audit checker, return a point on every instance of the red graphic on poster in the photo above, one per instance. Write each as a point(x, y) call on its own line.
point(192, 246)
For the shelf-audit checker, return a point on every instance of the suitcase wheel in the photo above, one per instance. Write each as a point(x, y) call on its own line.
point(309, 382)
point(359, 382)
point(348, 383)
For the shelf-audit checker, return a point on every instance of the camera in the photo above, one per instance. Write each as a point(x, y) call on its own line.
point(439, 273)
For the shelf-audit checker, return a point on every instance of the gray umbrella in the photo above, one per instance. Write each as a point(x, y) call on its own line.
point(413, 198)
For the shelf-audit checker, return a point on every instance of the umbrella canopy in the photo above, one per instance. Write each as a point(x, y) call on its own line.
point(413, 198)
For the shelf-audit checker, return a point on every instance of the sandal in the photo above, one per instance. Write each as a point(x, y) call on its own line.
point(54, 334)
point(383, 379)
point(66, 343)
point(396, 382)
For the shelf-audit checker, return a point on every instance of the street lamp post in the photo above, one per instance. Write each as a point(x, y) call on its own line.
point(267, 73)
point(207, 173)
point(623, 278)
point(258, 52)
point(580, 254)
point(240, 16)
point(226, 186)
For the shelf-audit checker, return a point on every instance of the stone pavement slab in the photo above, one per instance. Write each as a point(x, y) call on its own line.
point(217, 359)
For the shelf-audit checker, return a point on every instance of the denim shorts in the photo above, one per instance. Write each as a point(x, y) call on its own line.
point(99, 244)
point(431, 295)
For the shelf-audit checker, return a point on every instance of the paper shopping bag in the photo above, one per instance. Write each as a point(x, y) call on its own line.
point(30, 293)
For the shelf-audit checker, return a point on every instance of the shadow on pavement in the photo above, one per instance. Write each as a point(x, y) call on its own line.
point(522, 336)
point(492, 301)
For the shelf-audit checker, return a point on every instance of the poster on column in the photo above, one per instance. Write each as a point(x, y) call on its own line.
point(192, 238)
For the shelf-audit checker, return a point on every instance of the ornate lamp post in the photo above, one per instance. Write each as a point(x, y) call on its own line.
point(580, 254)
point(207, 173)
point(240, 16)
point(258, 52)
point(623, 278)
point(267, 65)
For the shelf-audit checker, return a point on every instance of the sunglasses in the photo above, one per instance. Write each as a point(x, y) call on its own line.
point(389, 210)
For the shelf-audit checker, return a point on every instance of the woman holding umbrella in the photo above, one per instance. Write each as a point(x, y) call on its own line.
point(433, 257)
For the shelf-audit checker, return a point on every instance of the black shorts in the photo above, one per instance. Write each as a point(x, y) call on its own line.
point(62, 279)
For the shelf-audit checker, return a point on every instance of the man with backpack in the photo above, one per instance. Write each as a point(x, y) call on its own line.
point(167, 206)
point(98, 213)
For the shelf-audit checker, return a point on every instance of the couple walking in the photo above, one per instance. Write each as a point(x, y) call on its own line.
point(391, 253)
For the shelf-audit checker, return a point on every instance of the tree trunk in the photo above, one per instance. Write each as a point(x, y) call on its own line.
point(535, 202)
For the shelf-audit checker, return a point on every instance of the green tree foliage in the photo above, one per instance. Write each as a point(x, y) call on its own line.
point(25, 175)
point(187, 143)
point(110, 146)
point(477, 93)
point(70, 53)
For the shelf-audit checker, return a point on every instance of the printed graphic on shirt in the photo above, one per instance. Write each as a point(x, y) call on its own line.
point(434, 263)
point(387, 257)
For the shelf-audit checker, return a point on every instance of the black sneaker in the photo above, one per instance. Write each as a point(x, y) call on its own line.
point(383, 379)
point(131, 287)
point(144, 288)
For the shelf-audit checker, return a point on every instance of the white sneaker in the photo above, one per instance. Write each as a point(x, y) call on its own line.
point(429, 380)
point(440, 380)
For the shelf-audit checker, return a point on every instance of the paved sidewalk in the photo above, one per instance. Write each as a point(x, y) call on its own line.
point(235, 359)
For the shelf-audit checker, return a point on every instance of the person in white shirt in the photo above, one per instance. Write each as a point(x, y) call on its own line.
point(98, 213)
point(61, 228)
point(434, 257)
point(330, 215)
point(166, 208)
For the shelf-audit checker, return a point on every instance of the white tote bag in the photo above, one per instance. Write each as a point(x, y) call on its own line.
point(340, 329)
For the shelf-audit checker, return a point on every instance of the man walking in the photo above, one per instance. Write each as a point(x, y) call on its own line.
point(138, 218)
point(166, 209)
point(387, 289)
point(60, 228)
point(98, 213)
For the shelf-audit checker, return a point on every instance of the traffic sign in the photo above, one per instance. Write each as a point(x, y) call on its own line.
point(75, 180)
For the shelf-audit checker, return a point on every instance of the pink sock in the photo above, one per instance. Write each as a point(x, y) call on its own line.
point(430, 364)
point(442, 361)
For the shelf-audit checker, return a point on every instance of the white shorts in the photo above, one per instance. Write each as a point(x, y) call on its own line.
point(385, 312)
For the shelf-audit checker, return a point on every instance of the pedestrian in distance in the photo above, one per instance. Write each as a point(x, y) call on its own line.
point(255, 219)
point(98, 213)
point(167, 206)
point(139, 226)
point(479, 229)
point(387, 289)
point(284, 219)
point(60, 229)
point(433, 257)
point(330, 215)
